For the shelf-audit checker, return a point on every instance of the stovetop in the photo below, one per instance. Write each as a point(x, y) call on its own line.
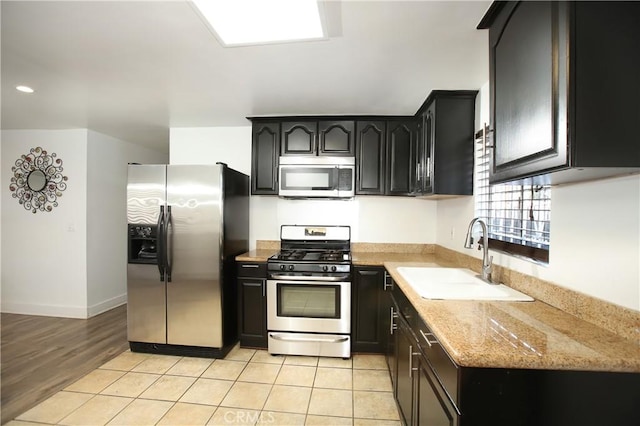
point(310, 262)
point(312, 250)
point(301, 255)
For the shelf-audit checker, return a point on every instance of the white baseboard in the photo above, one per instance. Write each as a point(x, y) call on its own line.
point(63, 311)
point(44, 310)
point(106, 305)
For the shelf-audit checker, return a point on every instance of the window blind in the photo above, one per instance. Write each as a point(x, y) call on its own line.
point(516, 214)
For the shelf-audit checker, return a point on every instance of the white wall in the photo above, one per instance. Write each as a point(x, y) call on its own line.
point(595, 235)
point(44, 254)
point(107, 160)
point(209, 145)
point(595, 239)
point(372, 219)
point(69, 262)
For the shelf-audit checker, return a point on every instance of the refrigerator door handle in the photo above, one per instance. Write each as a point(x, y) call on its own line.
point(160, 243)
point(167, 244)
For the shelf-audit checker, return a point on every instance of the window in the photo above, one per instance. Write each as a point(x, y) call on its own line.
point(518, 214)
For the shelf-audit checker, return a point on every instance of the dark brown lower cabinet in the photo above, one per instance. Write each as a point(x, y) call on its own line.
point(252, 310)
point(367, 291)
point(432, 407)
point(432, 390)
point(404, 372)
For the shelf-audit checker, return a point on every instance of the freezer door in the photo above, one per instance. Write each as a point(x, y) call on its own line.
point(194, 311)
point(146, 291)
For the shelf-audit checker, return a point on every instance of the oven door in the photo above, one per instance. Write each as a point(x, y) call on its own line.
point(309, 306)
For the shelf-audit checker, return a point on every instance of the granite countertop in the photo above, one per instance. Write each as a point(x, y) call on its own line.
point(259, 255)
point(530, 335)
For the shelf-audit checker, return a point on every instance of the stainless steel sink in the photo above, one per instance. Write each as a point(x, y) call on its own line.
point(457, 284)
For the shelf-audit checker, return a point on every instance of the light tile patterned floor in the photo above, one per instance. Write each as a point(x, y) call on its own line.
point(248, 387)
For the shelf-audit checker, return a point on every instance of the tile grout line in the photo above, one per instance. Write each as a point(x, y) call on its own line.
point(251, 360)
point(94, 395)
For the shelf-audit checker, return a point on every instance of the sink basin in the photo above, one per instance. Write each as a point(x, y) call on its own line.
point(457, 284)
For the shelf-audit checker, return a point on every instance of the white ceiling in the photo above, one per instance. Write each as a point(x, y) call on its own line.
point(132, 69)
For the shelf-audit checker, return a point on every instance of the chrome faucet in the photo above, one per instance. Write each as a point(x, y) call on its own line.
point(486, 260)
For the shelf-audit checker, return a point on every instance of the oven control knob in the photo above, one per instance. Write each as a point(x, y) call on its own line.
point(325, 268)
point(282, 267)
point(333, 268)
point(291, 267)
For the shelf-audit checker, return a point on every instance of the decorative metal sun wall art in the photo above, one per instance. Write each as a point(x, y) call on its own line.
point(37, 180)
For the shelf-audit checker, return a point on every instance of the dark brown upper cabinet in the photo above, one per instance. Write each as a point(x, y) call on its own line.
point(430, 153)
point(336, 138)
point(370, 157)
point(401, 157)
point(265, 142)
point(446, 143)
point(324, 137)
point(564, 89)
point(299, 138)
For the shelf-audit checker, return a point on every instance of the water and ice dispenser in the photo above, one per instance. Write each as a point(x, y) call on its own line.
point(143, 244)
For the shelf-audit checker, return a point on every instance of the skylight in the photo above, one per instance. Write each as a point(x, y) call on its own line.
point(245, 22)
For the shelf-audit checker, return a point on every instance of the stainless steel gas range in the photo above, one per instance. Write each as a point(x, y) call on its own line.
point(309, 292)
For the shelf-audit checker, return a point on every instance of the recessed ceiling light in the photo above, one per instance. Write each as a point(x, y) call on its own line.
point(24, 89)
point(244, 22)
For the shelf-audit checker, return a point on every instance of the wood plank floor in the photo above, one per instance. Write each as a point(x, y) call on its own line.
point(42, 355)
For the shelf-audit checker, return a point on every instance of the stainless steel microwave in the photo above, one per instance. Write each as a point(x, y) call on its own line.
point(316, 177)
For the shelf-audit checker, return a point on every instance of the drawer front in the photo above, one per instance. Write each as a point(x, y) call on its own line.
point(443, 366)
point(445, 369)
point(406, 308)
point(252, 269)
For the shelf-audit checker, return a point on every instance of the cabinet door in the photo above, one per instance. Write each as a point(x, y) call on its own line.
point(428, 135)
point(389, 324)
point(336, 138)
point(264, 158)
point(370, 158)
point(529, 90)
point(404, 382)
point(422, 155)
point(299, 138)
point(253, 312)
point(401, 157)
point(450, 135)
point(431, 408)
point(366, 322)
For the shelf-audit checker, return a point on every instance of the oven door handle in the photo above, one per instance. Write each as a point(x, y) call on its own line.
point(309, 278)
point(303, 339)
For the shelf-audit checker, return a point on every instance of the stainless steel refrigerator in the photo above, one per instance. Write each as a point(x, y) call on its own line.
point(186, 224)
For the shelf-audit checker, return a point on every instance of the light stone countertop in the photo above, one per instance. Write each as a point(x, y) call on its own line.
point(259, 255)
point(530, 335)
